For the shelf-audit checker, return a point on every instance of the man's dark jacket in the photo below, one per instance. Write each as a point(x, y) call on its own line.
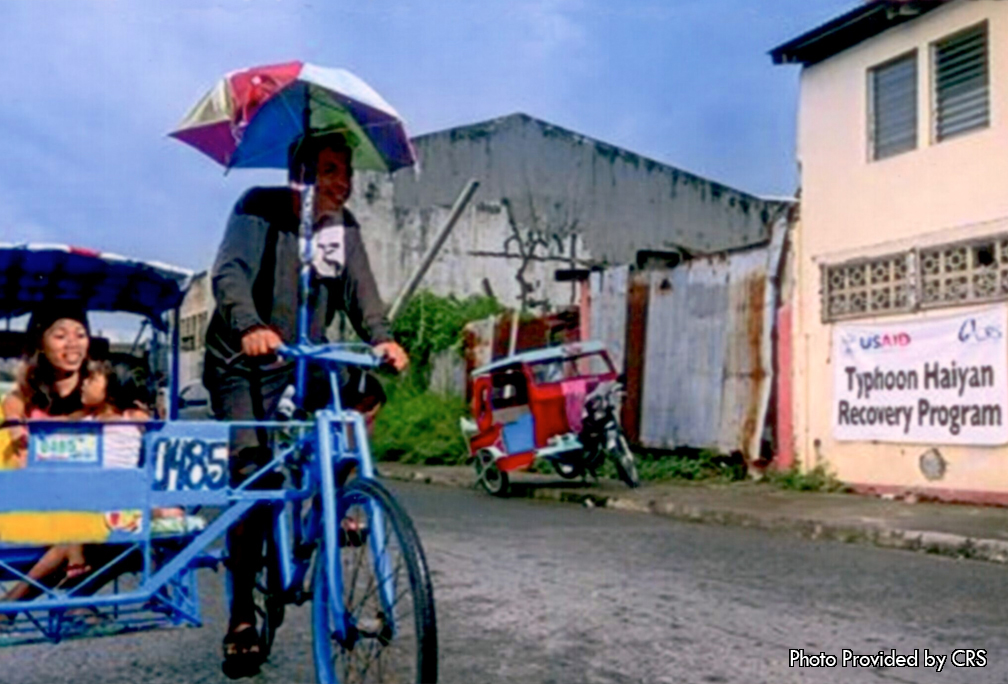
point(255, 282)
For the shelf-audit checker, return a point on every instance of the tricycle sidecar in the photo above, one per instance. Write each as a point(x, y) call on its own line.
point(559, 404)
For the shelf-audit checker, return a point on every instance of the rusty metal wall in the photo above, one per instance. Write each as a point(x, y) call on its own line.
point(636, 327)
point(705, 366)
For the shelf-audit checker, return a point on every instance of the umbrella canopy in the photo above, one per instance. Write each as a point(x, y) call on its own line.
point(250, 118)
point(36, 275)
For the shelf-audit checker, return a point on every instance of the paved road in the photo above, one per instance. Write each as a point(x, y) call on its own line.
point(537, 593)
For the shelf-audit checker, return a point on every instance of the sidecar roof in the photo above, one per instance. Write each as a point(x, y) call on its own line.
point(32, 275)
point(564, 351)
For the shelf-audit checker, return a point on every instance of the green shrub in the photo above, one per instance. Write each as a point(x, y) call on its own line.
point(819, 479)
point(684, 464)
point(418, 426)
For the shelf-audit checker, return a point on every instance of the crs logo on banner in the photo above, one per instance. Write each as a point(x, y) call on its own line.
point(875, 342)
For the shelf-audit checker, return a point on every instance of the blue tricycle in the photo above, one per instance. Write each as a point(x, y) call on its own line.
point(348, 547)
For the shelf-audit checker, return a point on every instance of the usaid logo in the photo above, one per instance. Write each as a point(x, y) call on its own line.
point(874, 342)
point(851, 342)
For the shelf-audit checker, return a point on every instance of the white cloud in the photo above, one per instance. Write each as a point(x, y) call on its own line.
point(552, 28)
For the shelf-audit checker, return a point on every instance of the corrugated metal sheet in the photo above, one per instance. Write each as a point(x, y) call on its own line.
point(607, 322)
point(706, 360)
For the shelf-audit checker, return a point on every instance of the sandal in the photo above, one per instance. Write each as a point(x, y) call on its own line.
point(352, 533)
point(242, 652)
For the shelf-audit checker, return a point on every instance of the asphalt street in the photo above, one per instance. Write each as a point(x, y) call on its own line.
point(536, 592)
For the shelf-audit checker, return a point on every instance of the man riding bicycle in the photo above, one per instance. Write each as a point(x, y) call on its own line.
point(255, 285)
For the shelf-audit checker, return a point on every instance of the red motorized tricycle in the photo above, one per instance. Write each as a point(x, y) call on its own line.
point(560, 404)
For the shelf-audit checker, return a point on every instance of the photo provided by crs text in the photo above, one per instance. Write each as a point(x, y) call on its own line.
point(937, 661)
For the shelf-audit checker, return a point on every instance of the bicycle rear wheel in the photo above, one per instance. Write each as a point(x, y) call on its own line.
point(379, 553)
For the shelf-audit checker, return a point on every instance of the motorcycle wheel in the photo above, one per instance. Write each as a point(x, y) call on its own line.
point(566, 470)
point(623, 459)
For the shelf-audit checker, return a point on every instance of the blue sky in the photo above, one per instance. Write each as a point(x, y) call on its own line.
point(91, 89)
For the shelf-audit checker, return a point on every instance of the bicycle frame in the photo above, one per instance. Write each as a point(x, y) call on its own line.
point(339, 423)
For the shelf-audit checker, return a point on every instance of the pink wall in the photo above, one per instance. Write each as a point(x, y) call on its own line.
point(785, 456)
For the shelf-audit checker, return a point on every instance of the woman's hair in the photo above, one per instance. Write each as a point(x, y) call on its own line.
point(37, 383)
point(37, 377)
point(125, 388)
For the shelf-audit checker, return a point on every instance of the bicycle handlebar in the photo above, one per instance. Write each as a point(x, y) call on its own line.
point(346, 354)
point(334, 353)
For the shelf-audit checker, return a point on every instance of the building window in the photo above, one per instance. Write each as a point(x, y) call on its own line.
point(192, 331)
point(892, 99)
point(201, 328)
point(869, 287)
point(961, 78)
point(965, 272)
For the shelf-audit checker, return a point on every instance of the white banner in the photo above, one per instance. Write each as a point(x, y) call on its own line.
point(936, 381)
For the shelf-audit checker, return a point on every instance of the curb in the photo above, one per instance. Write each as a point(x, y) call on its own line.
point(938, 543)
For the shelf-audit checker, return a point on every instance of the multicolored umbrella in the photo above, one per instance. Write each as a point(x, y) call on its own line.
point(250, 118)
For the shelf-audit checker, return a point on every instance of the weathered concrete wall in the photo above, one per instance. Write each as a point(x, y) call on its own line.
point(558, 198)
point(482, 247)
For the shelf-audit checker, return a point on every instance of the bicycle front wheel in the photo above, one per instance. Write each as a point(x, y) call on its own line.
point(390, 630)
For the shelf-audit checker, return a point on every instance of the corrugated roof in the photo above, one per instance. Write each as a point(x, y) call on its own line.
point(847, 30)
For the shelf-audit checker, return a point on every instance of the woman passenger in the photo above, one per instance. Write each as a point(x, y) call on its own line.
point(49, 386)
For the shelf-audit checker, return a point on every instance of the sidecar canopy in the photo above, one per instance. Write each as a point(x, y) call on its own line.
point(32, 274)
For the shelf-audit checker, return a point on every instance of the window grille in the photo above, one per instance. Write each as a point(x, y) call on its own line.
point(893, 106)
point(961, 79)
point(956, 273)
point(964, 272)
point(870, 287)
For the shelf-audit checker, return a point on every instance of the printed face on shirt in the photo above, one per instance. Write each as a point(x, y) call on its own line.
point(329, 251)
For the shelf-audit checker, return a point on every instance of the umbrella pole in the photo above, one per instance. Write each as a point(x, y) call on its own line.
point(305, 245)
